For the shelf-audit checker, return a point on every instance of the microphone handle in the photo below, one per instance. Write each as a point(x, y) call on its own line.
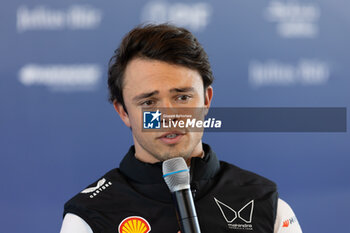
point(186, 211)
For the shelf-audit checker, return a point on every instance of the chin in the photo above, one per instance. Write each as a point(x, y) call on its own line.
point(181, 153)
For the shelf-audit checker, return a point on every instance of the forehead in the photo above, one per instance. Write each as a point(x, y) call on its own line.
point(148, 75)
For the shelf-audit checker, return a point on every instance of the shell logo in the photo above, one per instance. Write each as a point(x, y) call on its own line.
point(134, 224)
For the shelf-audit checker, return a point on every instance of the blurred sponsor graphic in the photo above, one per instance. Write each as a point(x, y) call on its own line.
point(59, 77)
point(76, 17)
point(194, 16)
point(272, 72)
point(294, 19)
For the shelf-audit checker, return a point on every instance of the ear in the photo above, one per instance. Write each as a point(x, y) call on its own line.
point(207, 99)
point(208, 96)
point(122, 113)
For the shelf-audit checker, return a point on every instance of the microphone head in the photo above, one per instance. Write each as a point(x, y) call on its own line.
point(176, 174)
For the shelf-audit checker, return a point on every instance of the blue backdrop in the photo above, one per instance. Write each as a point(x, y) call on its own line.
point(58, 133)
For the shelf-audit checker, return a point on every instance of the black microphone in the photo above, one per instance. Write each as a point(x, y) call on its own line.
point(177, 177)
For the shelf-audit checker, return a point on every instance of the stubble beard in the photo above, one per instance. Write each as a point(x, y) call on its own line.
point(168, 153)
point(163, 152)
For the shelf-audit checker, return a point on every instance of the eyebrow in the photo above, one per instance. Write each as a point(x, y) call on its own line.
point(145, 95)
point(149, 94)
point(183, 89)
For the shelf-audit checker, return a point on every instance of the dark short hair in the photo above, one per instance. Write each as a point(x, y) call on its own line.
point(163, 42)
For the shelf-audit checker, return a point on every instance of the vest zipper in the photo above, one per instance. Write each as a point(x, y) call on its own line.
point(192, 183)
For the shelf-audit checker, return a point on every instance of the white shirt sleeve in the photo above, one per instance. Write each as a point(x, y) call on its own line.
point(285, 222)
point(74, 224)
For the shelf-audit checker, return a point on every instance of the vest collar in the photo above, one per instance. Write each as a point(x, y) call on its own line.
point(147, 173)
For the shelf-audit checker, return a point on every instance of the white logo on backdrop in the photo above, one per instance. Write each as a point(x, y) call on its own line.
point(195, 16)
point(294, 19)
point(76, 17)
point(61, 77)
point(305, 72)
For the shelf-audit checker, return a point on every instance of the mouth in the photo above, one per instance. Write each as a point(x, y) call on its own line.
point(171, 137)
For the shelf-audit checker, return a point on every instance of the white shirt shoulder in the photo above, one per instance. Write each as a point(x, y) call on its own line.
point(286, 221)
point(74, 224)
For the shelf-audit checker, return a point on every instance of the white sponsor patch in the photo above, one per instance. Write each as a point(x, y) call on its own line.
point(92, 189)
point(245, 219)
point(100, 187)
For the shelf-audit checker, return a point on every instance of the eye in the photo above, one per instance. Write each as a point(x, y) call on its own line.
point(184, 98)
point(148, 103)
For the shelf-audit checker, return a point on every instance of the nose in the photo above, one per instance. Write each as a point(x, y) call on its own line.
point(169, 109)
point(167, 104)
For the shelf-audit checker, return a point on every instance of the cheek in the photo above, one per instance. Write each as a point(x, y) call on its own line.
point(199, 100)
point(135, 120)
point(194, 136)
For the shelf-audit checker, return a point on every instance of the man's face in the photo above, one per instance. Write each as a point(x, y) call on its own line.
point(157, 84)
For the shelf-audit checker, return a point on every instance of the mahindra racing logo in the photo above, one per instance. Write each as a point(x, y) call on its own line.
point(245, 214)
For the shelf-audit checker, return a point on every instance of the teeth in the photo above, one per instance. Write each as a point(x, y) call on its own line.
point(171, 136)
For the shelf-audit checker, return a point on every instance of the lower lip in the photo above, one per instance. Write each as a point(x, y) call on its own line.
point(171, 140)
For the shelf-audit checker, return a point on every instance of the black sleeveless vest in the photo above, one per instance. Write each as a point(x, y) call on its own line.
point(135, 198)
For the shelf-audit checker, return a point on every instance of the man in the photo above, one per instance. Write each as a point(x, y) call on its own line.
point(163, 66)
